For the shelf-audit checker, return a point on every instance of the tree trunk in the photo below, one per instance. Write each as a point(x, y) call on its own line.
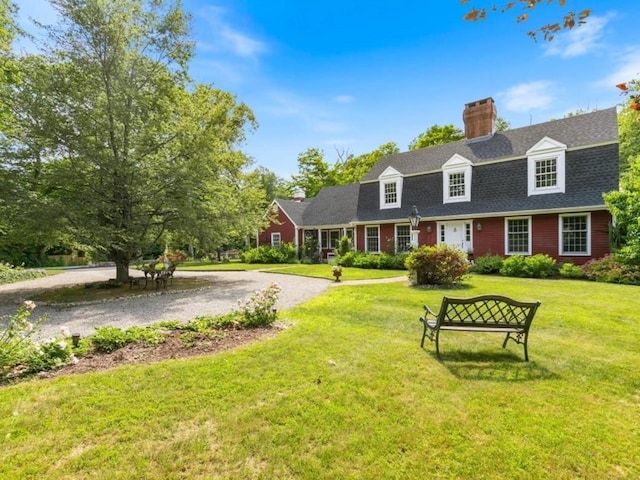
point(122, 260)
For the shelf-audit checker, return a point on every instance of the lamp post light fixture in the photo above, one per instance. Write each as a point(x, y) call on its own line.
point(414, 220)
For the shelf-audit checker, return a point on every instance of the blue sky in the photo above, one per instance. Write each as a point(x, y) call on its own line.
point(349, 76)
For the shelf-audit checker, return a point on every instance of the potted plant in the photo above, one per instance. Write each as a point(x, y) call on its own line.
point(336, 271)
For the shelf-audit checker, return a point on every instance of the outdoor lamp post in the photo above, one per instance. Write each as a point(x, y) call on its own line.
point(414, 219)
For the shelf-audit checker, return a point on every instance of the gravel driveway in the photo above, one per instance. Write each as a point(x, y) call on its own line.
point(222, 297)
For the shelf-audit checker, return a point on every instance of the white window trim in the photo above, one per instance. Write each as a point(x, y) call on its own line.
point(390, 175)
point(574, 254)
point(273, 237)
point(456, 164)
point(366, 238)
point(506, 236)
point(546, 149)
point(395, 233)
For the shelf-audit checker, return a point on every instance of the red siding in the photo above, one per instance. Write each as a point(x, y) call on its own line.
point(283, 226)
point(545, 229)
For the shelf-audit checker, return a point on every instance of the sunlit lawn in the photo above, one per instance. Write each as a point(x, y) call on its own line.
point(317, 270)
point(347, 393)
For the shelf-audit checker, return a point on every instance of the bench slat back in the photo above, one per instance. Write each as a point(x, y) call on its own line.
point(493, 310)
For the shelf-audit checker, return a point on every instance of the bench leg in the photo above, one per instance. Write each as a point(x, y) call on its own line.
point(424, 334)
point(521, 339)
point(438, 343)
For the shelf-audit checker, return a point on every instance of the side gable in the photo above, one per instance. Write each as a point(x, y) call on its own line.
point(291, 209)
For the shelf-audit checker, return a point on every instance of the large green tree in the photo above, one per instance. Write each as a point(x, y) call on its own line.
point(313, 172)
point(116, 145)
point(436, 135)
point(353, 168)
point(624, 204)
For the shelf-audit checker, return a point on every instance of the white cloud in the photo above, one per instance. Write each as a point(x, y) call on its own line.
point(581, 40)
point(343, 99)
point(310, 114)
point(223, 37)
point(528, 96)
point(628, 69)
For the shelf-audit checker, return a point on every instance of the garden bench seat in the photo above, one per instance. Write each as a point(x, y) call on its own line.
point(485, 313)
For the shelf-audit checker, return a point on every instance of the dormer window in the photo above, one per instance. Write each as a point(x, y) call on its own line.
point(390, 188)
point(456, 177)
point(546, 167)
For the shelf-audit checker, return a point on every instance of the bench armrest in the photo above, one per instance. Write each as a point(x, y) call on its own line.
point(428, 312)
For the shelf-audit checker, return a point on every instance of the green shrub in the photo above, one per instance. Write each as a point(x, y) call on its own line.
point(11, 274)
point(285, 253)
point(488, 264)
point(109, 339)
point(20, 354)
point(367, 260)
point(540, 266)
point(569, 270)
point(344, 246)
point(437, 265)
point(392, 262)
point(514, 266)
point(148, 335)
point(348, 259)
point(208, 323)
point(48, 355)
point(260, 310)
point(537, 266)
point(611, 270)
point(310, 250)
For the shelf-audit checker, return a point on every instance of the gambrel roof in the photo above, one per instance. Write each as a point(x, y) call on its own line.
point(597, 128)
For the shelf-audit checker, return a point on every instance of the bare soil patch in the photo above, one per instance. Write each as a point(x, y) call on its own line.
point(177, 344)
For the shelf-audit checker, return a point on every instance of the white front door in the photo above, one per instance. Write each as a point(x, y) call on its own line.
point(456, 234)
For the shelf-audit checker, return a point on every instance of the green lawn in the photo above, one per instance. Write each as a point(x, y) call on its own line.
point(347, 393)
point(316, 270)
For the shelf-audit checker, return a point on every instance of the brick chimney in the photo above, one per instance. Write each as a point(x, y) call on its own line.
point(479, 119)
point(298, 195)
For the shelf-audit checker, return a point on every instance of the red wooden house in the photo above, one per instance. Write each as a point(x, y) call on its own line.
point(536, 189)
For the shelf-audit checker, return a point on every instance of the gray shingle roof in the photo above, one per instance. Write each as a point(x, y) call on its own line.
point(333, 206)
point(293, 209)
point(577, 131)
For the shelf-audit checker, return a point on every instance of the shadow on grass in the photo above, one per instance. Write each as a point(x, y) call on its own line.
point(503, 366)
point(458, 287)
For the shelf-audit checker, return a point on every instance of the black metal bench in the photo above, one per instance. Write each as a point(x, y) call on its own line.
point(485, 313)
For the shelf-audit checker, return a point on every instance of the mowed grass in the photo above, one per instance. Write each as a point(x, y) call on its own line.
point(347, 393)
point(322, 270)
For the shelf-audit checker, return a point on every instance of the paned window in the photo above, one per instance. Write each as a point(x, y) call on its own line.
point(275, 239)
point(390, 193)
point(574, 231)
point(372, 239)
point(456, 185)
point(546, 162)
point(456, 180)
point(403, 238)
point(518, 232)
point(325, 239)
point(334, 238)
point(390, 184)
point(546, 173)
